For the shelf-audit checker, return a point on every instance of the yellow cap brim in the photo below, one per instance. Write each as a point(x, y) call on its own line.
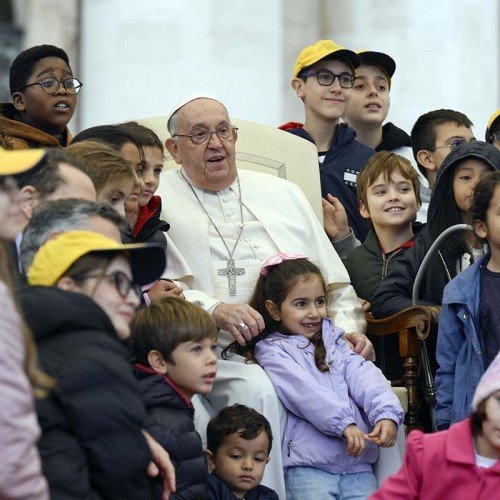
point(18, 161)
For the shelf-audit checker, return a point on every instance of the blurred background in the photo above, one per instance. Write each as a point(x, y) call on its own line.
point(137, 58)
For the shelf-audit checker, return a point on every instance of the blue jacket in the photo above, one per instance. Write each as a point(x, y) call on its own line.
point(343, 162)
point(320, 405)
point(458, 351)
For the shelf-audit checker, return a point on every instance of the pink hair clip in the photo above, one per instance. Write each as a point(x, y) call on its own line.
point(278, 259)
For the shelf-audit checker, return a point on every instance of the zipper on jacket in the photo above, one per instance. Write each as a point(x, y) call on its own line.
point(289, 447)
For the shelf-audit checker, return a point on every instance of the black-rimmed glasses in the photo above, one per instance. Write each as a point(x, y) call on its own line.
point(52, 85)
point(203, 135)
point(454, 143)
point(122, 282)
point(326, 78)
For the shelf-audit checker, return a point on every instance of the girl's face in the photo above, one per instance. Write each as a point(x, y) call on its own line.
point(12, 219)
point(465, 178)
point(490, 228)
point(153, 165)
point(115, 193)
point(304, 308)
point(488, 443)
point(119, 307)
point(130, 153)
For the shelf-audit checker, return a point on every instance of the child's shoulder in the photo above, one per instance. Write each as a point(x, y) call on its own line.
point(261, 492)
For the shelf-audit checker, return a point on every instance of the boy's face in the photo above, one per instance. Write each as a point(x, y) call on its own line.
point(324, 103)
point(240, 463)
point(48, 112)
point(467, 174)
point(491, 427)
point(390, 203)
point(195, 367)
point(431, 159)
point(369, 103)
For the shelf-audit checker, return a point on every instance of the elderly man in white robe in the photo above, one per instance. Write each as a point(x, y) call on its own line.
point(225, 222)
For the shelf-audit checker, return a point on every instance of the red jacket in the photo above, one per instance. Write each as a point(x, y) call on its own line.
point(441, 466)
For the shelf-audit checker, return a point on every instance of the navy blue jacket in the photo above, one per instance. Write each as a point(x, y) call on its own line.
point(170, 422)
point(217, 490)
point(343, 162)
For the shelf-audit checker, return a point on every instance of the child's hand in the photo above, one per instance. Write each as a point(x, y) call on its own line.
point(355, 440)
point(384, 433)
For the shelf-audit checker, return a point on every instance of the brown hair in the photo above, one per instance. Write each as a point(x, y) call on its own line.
point(166, 323)
point(103, 163)
point(478, 417)
point(275, 287)
point(386, 163)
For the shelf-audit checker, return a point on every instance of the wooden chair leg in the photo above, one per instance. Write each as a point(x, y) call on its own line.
point(410, 375)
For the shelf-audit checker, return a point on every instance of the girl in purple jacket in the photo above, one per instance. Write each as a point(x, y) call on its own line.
point(339, 406)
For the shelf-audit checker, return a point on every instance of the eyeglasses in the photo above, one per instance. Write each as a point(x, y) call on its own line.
point(495, 137)
point(203, 135)
point(122, 282)
point(326, 78)
point(454, 143)
point(51, 85)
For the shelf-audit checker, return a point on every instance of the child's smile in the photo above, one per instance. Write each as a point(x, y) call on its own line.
point(303, 310)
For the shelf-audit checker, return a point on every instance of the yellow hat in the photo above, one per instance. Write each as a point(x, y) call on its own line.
point(320, 50)
point(387, 63)
point(57, 255)
point(492, 123)
point(18, 161)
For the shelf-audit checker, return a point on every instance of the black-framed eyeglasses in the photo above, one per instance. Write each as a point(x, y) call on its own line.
point(51, 85)
point(203, 135)
point(122, 282)
point(326, 78)
point(454, 143)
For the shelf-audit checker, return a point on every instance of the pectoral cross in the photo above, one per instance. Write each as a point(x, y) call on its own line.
point(231, 271)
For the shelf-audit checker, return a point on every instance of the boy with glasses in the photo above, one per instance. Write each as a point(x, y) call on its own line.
point(493, 129)
point(323, 77)
point(434, 135)
point(44, 98)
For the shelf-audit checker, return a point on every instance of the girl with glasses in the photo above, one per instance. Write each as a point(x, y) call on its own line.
point(85, 290)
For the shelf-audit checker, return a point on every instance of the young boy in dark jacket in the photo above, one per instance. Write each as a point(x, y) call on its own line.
point(44, 98)
point(239, 440)
point(174, 343)
point(388, 189)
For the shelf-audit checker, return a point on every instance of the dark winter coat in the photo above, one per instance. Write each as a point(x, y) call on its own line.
point(92, 446)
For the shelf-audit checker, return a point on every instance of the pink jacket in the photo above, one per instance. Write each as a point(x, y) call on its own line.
point(20, 470)
point(441, 466)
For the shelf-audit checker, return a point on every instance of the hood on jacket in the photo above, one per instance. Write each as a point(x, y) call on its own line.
point(476, 149)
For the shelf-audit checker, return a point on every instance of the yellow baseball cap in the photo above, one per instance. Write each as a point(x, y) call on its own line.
point(320, 50)
point(492, 123)
point(57, 255)
point(18, 161)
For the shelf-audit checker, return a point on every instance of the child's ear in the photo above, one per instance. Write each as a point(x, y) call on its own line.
point(18, 101)
point(210, 460)
point(480, 228)
point(66, 283)
point(172, 148)
point(157, 362)
point(363, 210)
point(425, 159)
point(297, 84)
point(273, 310)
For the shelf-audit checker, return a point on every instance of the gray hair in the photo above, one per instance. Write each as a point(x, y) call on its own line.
point(61, 216)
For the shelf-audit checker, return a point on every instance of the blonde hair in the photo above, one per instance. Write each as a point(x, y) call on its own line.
point(102, 163)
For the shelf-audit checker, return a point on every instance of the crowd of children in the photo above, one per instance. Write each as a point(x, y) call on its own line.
point(102, 357)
